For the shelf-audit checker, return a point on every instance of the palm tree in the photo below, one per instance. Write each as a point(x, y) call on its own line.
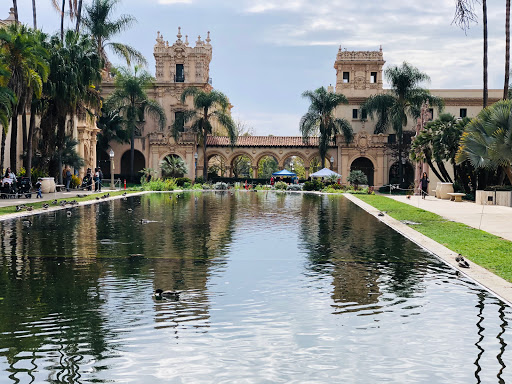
point(15, 6)
point(484, 16)
point(173, 166)
point(102, 29)
point(487, 139)
point(320, 119)
point(207, 105)
point(132, 102)
point(403, 100)
point(26, 60)
point(7, 103)
point(112, 127)
point(70, 90)
point(34, 16)
point(507, 49)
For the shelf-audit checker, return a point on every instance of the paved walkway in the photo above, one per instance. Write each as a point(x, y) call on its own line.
point(494, 219)
point(49, 196)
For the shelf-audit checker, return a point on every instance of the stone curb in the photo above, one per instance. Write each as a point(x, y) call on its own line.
point(481, 276)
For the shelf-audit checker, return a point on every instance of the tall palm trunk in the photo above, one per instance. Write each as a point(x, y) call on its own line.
point(34, 13)
point(484, 9)
point(78, 16)
point(2, 155)
point(132, 155)
point(14, 140)
point(507, 49)
point(15, 6)
point(62, 20)
point(24, 135)
point(205, 137)
point(30, 139)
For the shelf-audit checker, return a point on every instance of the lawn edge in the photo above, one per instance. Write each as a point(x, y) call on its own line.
point(481, 276)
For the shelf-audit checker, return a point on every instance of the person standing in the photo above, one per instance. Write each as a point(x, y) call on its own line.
point(38, 188)
point(68, 177)
point(424, 185)
point(100, 177)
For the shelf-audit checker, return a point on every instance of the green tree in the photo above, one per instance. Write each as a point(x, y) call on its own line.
point(208, 105)
point(266, 167)
point(131, 100)
point(7, 103)
point(403, 100)
point(75, 70)
point(25, 59)
point(242, 166)
point(320, 119)
point(487, 139)
point(112, 128)
point(173, 166)
point(357, 178)
point(102, 28)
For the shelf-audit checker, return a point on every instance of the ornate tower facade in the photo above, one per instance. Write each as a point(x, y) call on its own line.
point(359, 73)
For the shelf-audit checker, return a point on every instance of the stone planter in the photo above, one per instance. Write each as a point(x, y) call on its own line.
point(443, 189)
point(503, 198)
point(47, 185)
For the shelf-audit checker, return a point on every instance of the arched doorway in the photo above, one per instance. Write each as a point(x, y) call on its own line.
point(394, 174)
point(173, 165)
point(295, 164)
point(241, 166)
point(366, 166)
point(267, 165)
point(216, 167)
point(138, 164)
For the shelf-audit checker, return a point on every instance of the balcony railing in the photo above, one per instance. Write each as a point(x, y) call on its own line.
point(179, 78)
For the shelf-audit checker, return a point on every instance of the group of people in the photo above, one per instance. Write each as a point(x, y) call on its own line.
point(90, 179)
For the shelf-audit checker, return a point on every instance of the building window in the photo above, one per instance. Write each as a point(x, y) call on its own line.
point(431, 113)
point(180, 74)
point(364, 115)
point(354, 113)
point(346, 77)
point(392, 138)
point(373, 77)
point(463, 112)
point(180, 121)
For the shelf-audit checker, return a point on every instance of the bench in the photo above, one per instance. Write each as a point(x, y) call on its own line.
point(59, 187)
point(457, 197)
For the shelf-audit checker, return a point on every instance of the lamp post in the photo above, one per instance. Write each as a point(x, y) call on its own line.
point(195, 165)
point(111, 154)
point(332, 161)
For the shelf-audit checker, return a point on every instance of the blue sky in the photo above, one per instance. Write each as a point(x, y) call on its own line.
point(267, 52)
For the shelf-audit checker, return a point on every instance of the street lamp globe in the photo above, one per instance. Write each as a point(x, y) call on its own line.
point(111, 153)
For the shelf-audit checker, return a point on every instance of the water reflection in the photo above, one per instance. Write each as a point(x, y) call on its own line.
point(275, 287)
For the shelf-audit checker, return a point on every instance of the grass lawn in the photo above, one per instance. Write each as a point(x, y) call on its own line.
point(39, 204)
point(484, 249)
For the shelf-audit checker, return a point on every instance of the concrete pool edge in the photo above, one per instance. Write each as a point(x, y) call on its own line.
point(483, 277)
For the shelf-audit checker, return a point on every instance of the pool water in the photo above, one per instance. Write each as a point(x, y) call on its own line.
point(275, 287)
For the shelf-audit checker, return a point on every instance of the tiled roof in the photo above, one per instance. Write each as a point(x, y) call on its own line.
point(263, 141)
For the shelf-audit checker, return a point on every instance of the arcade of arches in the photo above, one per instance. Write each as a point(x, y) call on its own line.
point(259, 156)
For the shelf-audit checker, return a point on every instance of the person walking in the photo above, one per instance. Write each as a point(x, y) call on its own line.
point(38, 188)
point(68, 177)
point(100, 177)
point(424, 185)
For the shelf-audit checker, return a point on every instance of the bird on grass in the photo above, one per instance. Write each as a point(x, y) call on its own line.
point(46, 206)
point(54, 202)
point(29, 208)
point(97, 198)
point(124, 194)
point(19, 208)
point(381, 214)
point(161, 294)
point(462, 263)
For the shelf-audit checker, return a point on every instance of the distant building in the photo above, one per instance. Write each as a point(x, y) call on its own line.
point(10, 20)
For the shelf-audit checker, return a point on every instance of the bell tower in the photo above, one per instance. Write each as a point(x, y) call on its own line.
point(359, 73)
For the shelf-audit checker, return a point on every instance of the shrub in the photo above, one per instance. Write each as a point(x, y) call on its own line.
point(21, 172)
point(334, 186)
point(314, 185)
point(357, 177)
point(180, 181)
point(75, 181)
point(199, 180)
point(37, 173)
point(187, 185)
point(197, 186)
point(160, 185)
point(220, 186)
point(260, 187)
point(331, 189)
point(280, 185)
point(207, 186)
point(294, 187)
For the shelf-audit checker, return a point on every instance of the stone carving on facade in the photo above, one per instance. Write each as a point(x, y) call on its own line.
point(359, 83)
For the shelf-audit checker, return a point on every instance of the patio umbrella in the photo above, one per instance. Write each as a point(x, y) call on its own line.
point(284, 173)
point(326, 172)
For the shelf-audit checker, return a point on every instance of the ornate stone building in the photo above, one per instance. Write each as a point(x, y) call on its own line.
point(178, 66)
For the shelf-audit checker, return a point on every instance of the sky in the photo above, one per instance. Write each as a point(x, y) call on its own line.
point(267, 52)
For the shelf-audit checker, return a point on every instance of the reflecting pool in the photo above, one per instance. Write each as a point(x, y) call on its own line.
point(275, 288)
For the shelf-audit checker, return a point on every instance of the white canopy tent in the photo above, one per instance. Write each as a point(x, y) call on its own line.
point(326, 172)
